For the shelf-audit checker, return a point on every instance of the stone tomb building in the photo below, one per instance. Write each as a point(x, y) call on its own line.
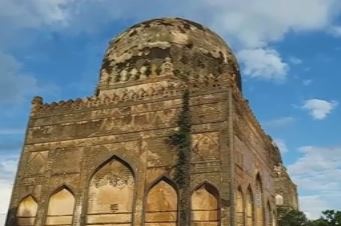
point(106, 160)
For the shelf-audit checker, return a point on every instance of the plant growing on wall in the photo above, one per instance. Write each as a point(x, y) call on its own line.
point(181, 139)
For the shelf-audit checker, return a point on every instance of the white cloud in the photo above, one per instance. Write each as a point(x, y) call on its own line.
point(280, 143)
point(263, 64)
point(15, 85)
point(318, 108)
point(279, 122)
point(33, 13)
point(252, 23)
point(251, 26)
point(256, 23)
point(21, 19)
point(5, 192)
point(316, 173)
point(295, 60)
point(317, 159)
point(335, 31)
point(8, 166)
point(313, 205)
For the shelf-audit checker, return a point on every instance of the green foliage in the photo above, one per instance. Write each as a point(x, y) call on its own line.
point(318, 222)
point(297, 218)
point(331, 217)
point(182, 141)
point(294, 218)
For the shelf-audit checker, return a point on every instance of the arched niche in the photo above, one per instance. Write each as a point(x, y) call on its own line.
point(259, 211)
point(250, 208)
point(61, 208)
point(240, 208)
point(161, 205)
point(205, 209)
point(27, 211)
point(111, 194)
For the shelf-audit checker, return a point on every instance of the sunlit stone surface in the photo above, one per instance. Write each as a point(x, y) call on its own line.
point(61, 207)
point(106, 159)
point(27, 211)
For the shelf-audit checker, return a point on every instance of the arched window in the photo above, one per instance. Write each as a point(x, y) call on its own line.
point(111, 194)
point(61, 207)
point(161, 205)
point(259, 202)
point(250, 208)
point(240, 214)
point(27, 211)
point(205, 206)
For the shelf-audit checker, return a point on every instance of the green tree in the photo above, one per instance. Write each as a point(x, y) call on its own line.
point(182, 141)
point(331, 218)
point(294, 218)
point(298, 218)
point(318, 222)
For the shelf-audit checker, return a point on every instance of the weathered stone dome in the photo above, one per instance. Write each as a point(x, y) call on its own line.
point(193, 51)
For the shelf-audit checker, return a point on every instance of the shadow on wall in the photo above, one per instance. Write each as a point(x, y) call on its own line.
point(12, 218)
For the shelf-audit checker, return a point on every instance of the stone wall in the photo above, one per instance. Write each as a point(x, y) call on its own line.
point(253, 167)
point(114, 159)
point(107, 159)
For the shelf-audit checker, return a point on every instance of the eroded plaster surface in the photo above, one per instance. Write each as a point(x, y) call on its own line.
point(106, 159)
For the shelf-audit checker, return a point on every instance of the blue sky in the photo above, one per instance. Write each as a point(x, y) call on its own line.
point(289, 52)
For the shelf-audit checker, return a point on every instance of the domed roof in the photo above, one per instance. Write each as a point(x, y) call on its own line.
point(192, 49)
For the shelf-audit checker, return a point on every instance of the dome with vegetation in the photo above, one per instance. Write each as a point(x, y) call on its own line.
point(193, 50)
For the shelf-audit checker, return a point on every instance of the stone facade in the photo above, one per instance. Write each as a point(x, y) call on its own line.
point(106, 159)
